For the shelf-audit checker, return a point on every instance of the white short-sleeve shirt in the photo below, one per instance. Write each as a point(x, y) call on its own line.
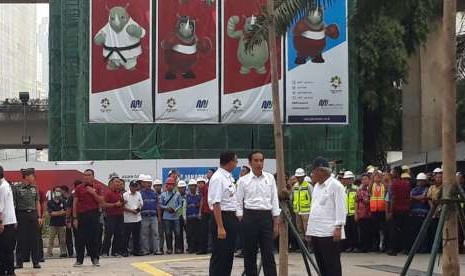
point(133, 201)
point(7, 206)
point(222, 190)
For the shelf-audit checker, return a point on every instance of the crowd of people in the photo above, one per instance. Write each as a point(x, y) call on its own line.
point(373, 212)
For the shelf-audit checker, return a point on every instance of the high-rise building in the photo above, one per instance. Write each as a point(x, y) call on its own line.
point(18, 50)
point(42, 58)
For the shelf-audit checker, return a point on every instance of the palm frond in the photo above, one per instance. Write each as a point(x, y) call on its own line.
point(285, 14)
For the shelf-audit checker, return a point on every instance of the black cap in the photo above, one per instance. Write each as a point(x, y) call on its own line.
point(133, 183)
point(320, 162)
point(29, 171)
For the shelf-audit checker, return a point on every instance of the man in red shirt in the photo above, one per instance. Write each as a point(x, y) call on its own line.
point(205, 216)
point(86, 218)
point(399, 208)
point(114, 218)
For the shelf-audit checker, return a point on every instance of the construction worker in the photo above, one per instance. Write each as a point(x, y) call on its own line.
point(351, 226)
point(378, 210)
point(301, 199)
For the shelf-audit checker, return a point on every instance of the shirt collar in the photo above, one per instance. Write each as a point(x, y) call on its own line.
point(256, 176)
point(327, 181)
point(224, 172)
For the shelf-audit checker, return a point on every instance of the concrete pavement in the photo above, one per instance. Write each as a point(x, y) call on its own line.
point(192, 265)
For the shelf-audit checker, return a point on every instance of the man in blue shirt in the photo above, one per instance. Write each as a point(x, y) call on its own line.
point(170, 203)
point(150, 217)
point(419, 209)
point(192, 215)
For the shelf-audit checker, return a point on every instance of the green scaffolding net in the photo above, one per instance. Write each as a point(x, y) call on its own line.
point(72, 137)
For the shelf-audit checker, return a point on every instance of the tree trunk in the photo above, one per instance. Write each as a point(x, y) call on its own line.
point(278, 136)
point(450, 262)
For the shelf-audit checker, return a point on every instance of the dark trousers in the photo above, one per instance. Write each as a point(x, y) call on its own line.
point(204, 228)
point(7, 247)
point(222, 257)
point(182, 225)
point(27, 237)
point(161, 235)
point(113, 235)
point(41, 243)
point(432, 232)
point(414, 226)
point(100, 237)
point(87, 235)
point(192, 234)
point(379, 227)
point(132, 230)
point(351, 233)
point(70, 233)
point(258, 230)
point(364, 234)
point(327, 255)
point(398, 232)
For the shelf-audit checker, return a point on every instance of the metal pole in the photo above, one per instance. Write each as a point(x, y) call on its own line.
point(23, 141)
point(420, 237)
point(437, 240)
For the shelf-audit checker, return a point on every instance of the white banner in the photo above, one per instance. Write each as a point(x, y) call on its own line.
point(187, 71)
point(120, 62)
point(246, 82)
point(318, 68)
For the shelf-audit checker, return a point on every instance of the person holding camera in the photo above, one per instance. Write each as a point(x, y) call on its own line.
point(132, 218)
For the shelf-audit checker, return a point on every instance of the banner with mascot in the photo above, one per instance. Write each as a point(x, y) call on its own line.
point(246, 81)
point(187, 52)
point(317, 79)
point(120, 61)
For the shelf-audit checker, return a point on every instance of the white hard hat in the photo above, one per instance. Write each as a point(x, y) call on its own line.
point(145, 178)
point(405, 175)
point(192, 182)
point(157, 182)
point(348, 174)
point(405, 168)
point(182, 183)
point(437, 170)
point(201, 179)
point(421, 176)
point(308, 179)
point(371, 170)
point(299, 172)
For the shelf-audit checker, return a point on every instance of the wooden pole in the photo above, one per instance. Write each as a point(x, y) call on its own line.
point(450, 261)
point(278, 136)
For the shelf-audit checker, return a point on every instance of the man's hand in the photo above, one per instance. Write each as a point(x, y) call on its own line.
point(118, 204)
point(41, 221)
point(388, 216)
point(170, 210)
point(75, 223)
point(239, 218)
point(356, 218)
point(308, 238)
point(221, 233)
point(337, 234)
point(2, 228)
point(275, 231)
point(90, 190)
point(68, 225)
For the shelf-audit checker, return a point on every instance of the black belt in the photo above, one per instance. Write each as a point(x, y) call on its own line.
point(149, 215)
point(27, 211)
point(228, 212)
point(118, 50)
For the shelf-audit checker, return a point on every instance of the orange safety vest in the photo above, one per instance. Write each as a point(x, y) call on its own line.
point(377, 203)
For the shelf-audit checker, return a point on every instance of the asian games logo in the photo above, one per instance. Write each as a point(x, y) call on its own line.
point(105, 105)
point(237, 104)
point(171, 104)
point(336, 83)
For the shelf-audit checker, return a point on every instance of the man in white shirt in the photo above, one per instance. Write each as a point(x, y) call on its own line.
point(132, 218)
point(327, 218)
point(258, 209)
point(7, 227)
point(222, 200)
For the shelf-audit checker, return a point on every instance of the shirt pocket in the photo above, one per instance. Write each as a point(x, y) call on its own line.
point(325, 198)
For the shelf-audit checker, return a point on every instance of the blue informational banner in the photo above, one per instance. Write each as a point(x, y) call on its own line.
point(187, 173)
point(317, 86)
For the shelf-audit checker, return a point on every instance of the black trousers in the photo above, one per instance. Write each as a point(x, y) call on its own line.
point(114, 227)
point(398, 232)
point(41, 243)
point(192, 234)
point(414, 226)
point(364, 234)
point(7, 247)
point(70, 233)
point(204, 228)
point(27, 237)
point(221, 261)
point(327, 255)
point(87, 235)
point(182, 225)
point(379, 226)
point(258, 232)
point(132, 230)
point(351, 240)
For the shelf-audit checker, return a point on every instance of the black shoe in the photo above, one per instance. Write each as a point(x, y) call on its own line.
point(95, 262)
point(42, 260)
point(36, 266)
point(125, 254)
point(240, 255)
point(64, 256)
point(18, 266)
point(391, 253)
point(10, 273)
point(201, 253)
point(138, 254)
